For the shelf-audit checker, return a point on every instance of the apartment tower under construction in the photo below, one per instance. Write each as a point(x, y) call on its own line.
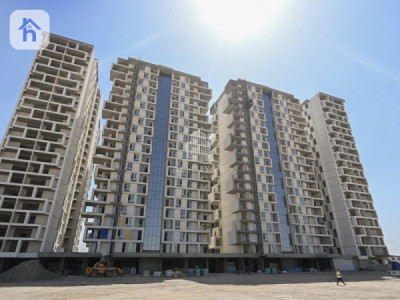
point(46, 153)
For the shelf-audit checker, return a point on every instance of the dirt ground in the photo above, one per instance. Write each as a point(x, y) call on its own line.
point(360, 285)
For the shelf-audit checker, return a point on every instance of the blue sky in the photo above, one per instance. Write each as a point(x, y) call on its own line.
point(350, 49)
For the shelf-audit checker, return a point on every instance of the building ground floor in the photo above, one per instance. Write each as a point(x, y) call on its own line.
point(75, 263)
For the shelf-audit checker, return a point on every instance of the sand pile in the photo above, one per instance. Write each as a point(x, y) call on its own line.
point(30, 270)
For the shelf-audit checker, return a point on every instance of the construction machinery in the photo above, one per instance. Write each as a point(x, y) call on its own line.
point(103, 268)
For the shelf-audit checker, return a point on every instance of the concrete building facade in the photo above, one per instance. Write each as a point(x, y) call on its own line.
point(267, 180)
point(264, 192)
point(152, 170)
point(349, 210)
point(46, 152)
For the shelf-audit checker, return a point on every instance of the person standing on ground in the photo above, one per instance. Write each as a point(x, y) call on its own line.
point(339, 277)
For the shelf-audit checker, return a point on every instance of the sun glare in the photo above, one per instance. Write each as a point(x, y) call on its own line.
point(236, 19)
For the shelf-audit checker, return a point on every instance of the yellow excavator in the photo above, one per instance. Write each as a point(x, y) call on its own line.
point(103, 268)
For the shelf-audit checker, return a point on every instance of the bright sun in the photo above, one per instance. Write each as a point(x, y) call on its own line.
point(236, 19)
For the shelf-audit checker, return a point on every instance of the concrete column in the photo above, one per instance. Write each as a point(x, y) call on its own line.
point(225, 265)
point(317, 267)
point(252, 265)
point(62, 266)
point(241, 264)
point(331, 263)
point(84, 265)
point(185, 263)
point(1, 264)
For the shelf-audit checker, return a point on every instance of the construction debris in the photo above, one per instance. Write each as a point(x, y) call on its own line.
point(31, 270)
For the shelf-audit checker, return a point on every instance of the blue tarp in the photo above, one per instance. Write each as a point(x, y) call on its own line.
point(395, 265)
point(104, 234)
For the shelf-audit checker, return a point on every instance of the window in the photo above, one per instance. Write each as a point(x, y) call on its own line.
point(129, 166)
point(124, 208)
point(170, 192)
point(145, 149)
point(138, 223)
point(183, 214)
point(141, 199)
point(168, 224)
point(141, 189)
point(177, 225)
point(127, 187)
point(139, 211)
point(136, 234)
point(264, 187)
point(169, 202)
point(265, 236)
point(300, 209)
point(121, 233)
point(133, 177)
point(169, 213)
point(263, 218)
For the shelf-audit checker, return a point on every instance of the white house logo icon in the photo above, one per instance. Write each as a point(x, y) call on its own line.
point(28, 29)
point(198, 146)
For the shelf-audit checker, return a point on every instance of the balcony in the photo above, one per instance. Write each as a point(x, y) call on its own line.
point(227, 105)
point(101, 160)
point(235, 160)
point(214, 198)
point(379, 251)
point(215, 175)
point(233, 187)
point(214, 140)
point(233, 238)
point(217, 214)
point(215, 242)
point(325, 240)
point(232, 143)
point(239, 206)
point(233, 120)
